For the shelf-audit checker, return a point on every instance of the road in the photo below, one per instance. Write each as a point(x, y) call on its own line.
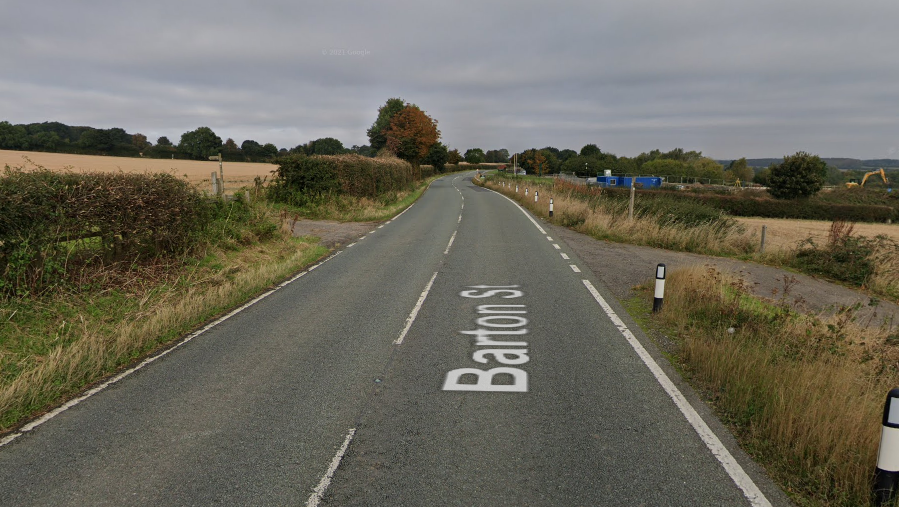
point(456, 355)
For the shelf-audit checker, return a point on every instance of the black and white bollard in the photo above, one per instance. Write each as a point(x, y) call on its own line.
point(660, 289)
point(550, 207)
point(536, 195)
point(516, 189)
point(886, 475)
point(526, 191)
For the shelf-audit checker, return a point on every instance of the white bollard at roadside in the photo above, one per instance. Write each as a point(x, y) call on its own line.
point(550, 207)
point(886, 475)
point(660, 289)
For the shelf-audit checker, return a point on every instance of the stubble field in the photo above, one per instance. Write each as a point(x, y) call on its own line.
point(783, 234)
point(237, 174)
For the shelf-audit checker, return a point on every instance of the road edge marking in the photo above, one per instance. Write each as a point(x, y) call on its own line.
point(319, 491)
point(750, 490)
point(411, 318)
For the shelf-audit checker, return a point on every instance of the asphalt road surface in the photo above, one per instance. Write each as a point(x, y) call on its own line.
point(456, 355)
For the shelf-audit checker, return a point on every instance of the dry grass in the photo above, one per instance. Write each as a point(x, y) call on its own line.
point(804, 393)
point(237, 174)
point(607, 219)
point(100, 333)
point(784, 234)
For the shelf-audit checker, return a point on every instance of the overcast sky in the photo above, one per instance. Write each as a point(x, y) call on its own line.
point(760, 78)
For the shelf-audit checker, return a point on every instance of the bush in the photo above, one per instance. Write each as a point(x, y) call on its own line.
point(51, 221)
point(300, 179)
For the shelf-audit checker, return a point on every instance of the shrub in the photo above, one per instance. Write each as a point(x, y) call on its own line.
point(50, 221)
point(300, 179)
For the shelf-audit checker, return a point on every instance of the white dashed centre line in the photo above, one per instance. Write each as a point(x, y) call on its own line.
point(574, 268)
point(556, 246)
point(564, 256)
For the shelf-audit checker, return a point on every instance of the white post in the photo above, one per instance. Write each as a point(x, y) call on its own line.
point(886, 475)
point(660, 289)
point(550, 207)
point(215, 183)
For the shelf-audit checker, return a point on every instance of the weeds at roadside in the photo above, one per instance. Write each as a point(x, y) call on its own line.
point(804, 393)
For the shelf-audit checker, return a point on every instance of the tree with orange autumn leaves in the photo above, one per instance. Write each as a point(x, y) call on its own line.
point(411, 134)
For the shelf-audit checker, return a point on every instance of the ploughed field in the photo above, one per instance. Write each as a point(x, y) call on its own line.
point(237, 174)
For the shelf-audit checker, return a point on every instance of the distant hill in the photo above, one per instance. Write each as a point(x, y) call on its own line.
point(839, 163)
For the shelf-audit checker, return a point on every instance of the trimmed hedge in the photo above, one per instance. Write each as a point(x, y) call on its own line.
point(49, 220)
point(302, 179)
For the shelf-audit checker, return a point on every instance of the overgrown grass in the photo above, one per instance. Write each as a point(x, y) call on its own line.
point(359, 209)
point(803, 393)
point(683, 226)
point(52, 346)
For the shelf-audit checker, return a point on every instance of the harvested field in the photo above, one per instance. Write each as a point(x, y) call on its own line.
point(237, 174)
point(784, 234)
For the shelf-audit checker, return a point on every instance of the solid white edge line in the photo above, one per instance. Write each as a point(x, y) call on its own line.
point(75, 401)
point(730, 465)
point(319, 490)
point(411, 318)
point(452, 238)
point(522, 210)
point(574, 268)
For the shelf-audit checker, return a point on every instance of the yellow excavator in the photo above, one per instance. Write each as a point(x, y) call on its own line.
point(883, 176)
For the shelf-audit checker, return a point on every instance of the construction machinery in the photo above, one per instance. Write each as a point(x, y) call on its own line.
point(883, 176)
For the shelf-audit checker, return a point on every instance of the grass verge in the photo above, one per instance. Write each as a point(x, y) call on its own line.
point(803, 394)
point(359, 209)
point(52, 347)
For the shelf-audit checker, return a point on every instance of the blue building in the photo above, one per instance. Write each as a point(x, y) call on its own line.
point(625, 181)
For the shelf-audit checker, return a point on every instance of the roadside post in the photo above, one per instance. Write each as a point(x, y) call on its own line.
point(764, 230)
point(221, 173)
point(660, 289)
point(536, 195)
point(550, 207)
point(886, 475)
point(215, 184)
point(630, 206)
point(526, 191)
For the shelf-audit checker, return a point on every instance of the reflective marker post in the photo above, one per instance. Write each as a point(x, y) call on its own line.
point(550, 207)
point(660, 289)
point(536, 195)
point(886, 475)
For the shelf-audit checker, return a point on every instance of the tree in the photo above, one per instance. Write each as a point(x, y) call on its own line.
point(364, 150)
point(200, 144)
point(269, 151)
point(799, 176)
point(231, 152)
point(140, 142)
point(377, 132)
point(474, 156)
point(453, 157)
point(163, 141)
point(496, 156)
point(13, 137)
point(252, 150)
point(325, 146)
point(411, 134)
point(590, 150)
point(762, 177)
point(567, 154)
point(739, 170)
point(437, 156)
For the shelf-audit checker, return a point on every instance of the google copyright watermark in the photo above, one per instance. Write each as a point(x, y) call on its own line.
point(361, 53)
